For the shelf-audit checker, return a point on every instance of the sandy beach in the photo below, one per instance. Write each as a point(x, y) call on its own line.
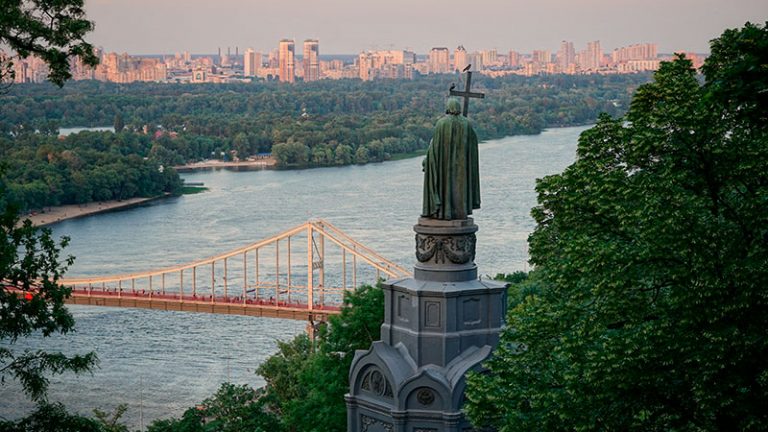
point(214, 164)
point(60, 213)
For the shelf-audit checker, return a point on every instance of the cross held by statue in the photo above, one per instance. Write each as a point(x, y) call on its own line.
point(466, 94)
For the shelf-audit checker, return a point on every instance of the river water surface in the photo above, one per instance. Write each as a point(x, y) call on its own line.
point(160, 363)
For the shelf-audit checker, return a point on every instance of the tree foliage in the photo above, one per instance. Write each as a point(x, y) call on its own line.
point(31, 300)
point(652, 266)
point(46, 171)
point(321, 123)
point(311, 378)
point(52, 417)
point(306, 380)
point(51, 30)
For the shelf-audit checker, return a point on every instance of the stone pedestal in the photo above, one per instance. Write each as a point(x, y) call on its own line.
point(438, 325)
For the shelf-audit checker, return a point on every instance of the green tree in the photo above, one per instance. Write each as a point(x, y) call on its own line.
point(305, 378)
point(119, 124)
point(652, 262)
point(32, 301)
point(51, 30)
point(361, 155)
point(110, 422)
point(51, 417)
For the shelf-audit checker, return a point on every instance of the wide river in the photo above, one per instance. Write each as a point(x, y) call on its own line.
point(160, 363)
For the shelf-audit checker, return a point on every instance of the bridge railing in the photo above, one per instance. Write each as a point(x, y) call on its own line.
point(277, 272)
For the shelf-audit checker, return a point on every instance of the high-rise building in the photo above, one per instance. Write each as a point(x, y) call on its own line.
point(311, 60)
point(490, 57)
point(592, 58)
point(286, 52)
point(514, 59)
point(365, 66)
point(460, 58)
point(566, 56)
point(476, 59)
point(646, 51)
point(249, 63)
point(542, 57)
point(439, 60)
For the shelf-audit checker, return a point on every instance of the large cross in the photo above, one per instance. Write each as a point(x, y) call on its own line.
point(466, 94)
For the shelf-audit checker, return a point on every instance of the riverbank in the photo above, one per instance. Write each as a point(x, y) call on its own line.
point(59, 213)
point(217, 164)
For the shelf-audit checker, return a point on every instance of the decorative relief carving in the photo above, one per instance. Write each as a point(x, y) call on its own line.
point(368, 422)
point(471, 311)
point(425, 396)
point(456, 249)
point(431, 314)
point(375, 382)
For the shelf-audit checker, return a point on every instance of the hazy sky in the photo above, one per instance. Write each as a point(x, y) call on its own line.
point(348, 26)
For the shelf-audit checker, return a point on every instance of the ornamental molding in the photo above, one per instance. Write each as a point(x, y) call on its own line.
point(370, 421)
point(442, 249)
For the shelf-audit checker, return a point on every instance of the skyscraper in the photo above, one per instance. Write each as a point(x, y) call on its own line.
point(439, 60)
point(592, 58)
point(514, 59)
point(460, 58)
point(566, 56)
point(365, 66)
point(311, 60)
point(490, 57)
point(541, 57)
point(286, 61)
point(249, 62)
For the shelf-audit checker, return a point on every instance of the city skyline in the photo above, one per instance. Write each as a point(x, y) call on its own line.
point(347, 27)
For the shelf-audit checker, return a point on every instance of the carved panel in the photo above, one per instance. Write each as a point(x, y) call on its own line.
point(432, 314)
point(375, 382)
point(370, 424)
point(425, 396)
point(442, 249)
point(471, 311)
point(403, 307)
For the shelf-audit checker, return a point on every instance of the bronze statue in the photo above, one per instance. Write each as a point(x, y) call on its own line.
point(451, 173)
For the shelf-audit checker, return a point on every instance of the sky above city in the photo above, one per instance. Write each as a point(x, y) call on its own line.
point(351, 26)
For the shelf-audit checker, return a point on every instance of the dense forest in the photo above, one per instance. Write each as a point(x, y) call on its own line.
point(307, 124)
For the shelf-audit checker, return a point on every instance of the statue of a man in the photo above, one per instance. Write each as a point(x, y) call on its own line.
point(451, 173)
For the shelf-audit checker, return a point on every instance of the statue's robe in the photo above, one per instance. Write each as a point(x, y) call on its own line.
point(451, 173)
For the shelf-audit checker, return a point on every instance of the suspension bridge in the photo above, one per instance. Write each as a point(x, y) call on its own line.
point(301, 273)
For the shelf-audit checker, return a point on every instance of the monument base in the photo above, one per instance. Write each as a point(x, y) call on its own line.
point(438, 325)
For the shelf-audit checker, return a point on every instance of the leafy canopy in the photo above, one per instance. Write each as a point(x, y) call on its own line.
point(306, 380)
point(652, 265)
point(50, 29)
point(31, 300)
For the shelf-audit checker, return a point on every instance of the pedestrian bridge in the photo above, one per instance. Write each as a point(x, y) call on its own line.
point(301, 273)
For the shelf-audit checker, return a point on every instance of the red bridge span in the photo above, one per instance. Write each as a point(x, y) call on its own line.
point(301, 273)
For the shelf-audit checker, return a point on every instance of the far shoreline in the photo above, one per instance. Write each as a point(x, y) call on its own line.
point(56, 214)
point(212, 164)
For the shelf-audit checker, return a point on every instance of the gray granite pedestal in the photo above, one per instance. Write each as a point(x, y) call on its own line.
point(438, 325)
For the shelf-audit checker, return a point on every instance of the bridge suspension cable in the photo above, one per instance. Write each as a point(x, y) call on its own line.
point(261, 279)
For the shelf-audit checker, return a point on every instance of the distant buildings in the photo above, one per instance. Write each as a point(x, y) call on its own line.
point(311, 60)
point(391, 64)
point(460, 58)
point(566, 57)
point(280, 64)
point(439, 61)
point(286, 61)
point(251, 63)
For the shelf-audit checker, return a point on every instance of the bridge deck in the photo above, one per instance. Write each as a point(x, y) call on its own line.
point(204, 304)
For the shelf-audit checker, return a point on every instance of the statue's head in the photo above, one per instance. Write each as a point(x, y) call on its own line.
point(453, 106)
